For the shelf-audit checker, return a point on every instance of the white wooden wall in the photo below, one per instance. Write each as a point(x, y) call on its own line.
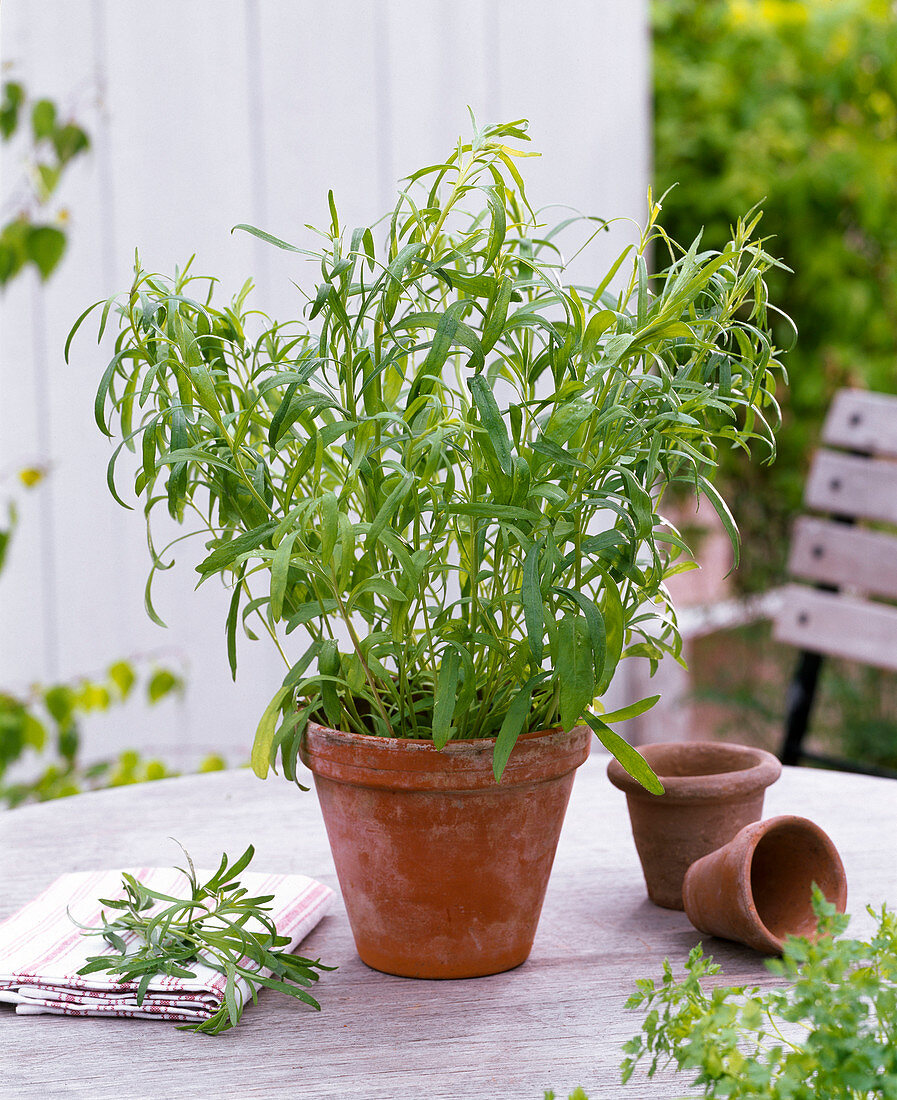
point(206, 113)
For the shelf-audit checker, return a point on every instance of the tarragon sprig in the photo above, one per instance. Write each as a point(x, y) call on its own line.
point(211, 926)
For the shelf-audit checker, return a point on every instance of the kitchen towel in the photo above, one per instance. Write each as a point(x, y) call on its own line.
point(41, 949)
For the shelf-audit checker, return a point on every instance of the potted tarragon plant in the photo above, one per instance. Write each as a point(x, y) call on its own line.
point(445, 480)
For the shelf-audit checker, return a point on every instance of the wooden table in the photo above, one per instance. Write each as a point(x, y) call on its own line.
point(556, 1022)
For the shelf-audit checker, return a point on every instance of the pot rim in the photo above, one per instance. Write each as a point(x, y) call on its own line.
point(416, 764)
point(760, 771)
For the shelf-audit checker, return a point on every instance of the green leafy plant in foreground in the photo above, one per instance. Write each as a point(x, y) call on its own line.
point(219, 924)
point(450, 483)
point(830, 1032)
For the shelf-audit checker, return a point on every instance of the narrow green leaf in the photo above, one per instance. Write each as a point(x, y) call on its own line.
point(260, 757)
point(77, 325)
point(310, 611)
point(280, 567)
point(642, 304)
point(642, 505)
point(226, 552)
point(393, 277)
point(445, 697)
point(614, 627)
point(480, 286)
point(334, 218)
point(574, 670)
point(378, 586)
point(498, 314)
point(230, 994)
point(388, 509)
point(512, 726)
point(632, 760)
point(597, 629)
point(616, 347)
point(443, 339)
point(497, 228)
point(298, 670)
point(531, 598)
point(598, 324)
point(494, 512)
point(728, 520)
point(612, 271)
point(632, 711)
point(231, 625)
point(277, 428)
point(491, 419)
point(346, 550)
point(566, 418)
point(329, 526)
point(263, 236)
point(329, 666)
point(544, 446)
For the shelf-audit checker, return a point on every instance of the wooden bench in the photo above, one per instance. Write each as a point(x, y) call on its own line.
point(847, 552)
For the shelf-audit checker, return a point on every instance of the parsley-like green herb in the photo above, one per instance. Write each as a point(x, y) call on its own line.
point(218, 924)
point(831, 1031)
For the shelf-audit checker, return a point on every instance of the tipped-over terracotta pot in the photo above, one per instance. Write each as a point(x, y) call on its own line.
point(758, 888)
point(443, 870)
point(711, 791)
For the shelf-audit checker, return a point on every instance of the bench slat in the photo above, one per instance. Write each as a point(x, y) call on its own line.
point(849, 557)
point(843, 626)
point(862, 421)
point(847, 485)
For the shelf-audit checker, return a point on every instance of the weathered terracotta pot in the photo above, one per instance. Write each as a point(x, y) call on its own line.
point(757, 889)
point(443, 871)
point(711, 791)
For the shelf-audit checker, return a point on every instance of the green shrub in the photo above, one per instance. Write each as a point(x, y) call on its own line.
point(792, 103)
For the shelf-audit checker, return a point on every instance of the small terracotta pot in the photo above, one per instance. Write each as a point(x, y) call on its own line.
point(711, 791)
point(757, 889)
point(443, 871)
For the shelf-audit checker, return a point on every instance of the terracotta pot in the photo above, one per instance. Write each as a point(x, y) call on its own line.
point(711, 791)
point(757, 889)
point(443, 871)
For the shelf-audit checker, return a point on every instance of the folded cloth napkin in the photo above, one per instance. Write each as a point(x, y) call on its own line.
point(41, 949)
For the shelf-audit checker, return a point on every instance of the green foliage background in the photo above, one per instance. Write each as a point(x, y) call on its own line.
point(44, 720)
point(792, 103)
point(31, 237)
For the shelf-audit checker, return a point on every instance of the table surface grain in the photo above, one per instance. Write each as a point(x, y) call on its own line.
point(556, 1022)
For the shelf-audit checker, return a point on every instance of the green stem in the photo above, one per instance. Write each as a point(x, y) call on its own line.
point(347, 619)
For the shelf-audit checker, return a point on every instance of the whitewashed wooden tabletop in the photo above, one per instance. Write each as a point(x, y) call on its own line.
point(556, 1022)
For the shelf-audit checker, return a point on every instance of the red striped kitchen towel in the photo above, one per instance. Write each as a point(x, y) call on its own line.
point(41, 949)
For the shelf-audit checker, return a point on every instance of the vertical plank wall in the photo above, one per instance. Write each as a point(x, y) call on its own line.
point(212, 112)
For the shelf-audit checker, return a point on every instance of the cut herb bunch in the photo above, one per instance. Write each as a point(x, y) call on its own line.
point(449, 482)
point(830, 1032)
point(157, 934)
